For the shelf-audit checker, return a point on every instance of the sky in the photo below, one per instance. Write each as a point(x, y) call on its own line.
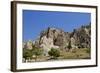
point(36, 21)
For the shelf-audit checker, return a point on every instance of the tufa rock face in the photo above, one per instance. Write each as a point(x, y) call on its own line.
point(58, 39)
point(82, 37)
point(28, 45)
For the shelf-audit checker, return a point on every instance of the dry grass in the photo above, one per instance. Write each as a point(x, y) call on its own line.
point(83, 53)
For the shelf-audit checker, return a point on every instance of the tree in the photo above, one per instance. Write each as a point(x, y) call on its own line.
point(27, 54)
point(54, 53)
point(69, 45)
point(37, 52)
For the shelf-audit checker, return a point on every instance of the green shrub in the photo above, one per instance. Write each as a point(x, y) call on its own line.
point(69, 45)
point(27, 54)
point(37, 52)
point(54, 53)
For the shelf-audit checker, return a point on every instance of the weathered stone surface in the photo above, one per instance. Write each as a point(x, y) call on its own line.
point(58, 39)
point(29, 45)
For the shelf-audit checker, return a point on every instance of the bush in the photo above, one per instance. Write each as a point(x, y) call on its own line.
point(69, 45)
point(37, 52)
point(27, 54)
point(54, 53)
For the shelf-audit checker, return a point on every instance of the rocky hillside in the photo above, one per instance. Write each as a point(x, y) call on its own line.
point(58, 39)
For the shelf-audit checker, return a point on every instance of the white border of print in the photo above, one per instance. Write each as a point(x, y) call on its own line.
point(64, 63)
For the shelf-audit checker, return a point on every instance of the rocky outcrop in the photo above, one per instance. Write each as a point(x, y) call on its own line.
point(82, 37)
point(58, 39)
point(28, 45)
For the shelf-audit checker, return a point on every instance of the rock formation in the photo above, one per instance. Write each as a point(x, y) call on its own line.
point(58, 39)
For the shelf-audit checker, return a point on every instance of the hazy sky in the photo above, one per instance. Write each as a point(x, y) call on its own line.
point(36, 21)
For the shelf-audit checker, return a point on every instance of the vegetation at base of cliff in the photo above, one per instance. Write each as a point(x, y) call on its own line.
point(27, 54)
point(34, 53)
point(54, 54)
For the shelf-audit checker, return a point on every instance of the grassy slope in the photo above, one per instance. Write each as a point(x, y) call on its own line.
point(76, 54)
